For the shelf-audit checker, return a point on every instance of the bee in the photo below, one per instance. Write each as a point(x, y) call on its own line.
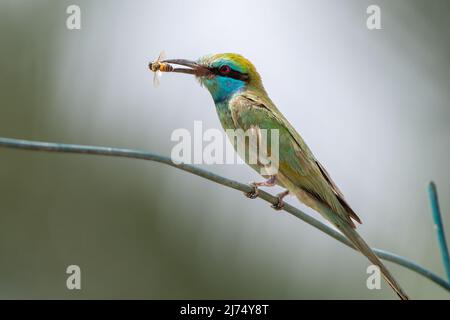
point(159, 67)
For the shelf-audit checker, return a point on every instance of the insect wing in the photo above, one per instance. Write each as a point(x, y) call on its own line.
point(158, 74)
point(162, 56)
point(156, 78)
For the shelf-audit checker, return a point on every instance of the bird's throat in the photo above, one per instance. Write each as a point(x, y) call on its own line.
point(222, 89)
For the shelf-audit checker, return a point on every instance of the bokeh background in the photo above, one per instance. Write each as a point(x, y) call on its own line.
point(374, 106)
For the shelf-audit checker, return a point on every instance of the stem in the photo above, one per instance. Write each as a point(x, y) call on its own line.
point(436, 211)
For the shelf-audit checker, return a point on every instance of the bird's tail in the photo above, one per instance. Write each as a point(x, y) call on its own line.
point(350, 233)
point(364, 248)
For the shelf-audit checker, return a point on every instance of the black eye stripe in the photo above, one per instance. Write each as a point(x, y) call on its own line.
point(231, 74)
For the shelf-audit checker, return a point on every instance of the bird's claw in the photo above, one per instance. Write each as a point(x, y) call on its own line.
point(254, 193)
point(280, 204)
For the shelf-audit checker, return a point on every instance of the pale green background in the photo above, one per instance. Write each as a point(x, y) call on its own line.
point(373, 106)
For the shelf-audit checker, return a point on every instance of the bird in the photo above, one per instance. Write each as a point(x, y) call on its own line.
point(242, 102)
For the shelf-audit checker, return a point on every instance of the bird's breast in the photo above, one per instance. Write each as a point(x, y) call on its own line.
point(224, 113)
point(246, 143)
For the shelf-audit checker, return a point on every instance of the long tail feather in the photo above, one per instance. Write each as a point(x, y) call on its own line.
point(364, 248)
point(358, 242)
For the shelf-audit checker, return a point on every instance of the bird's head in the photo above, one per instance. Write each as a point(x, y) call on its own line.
point(222, 74)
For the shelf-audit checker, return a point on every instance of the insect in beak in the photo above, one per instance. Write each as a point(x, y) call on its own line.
point(161, 65)
point(192, 67)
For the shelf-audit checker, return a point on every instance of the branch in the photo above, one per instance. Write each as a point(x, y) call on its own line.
point(436, 211)
point(143, 155)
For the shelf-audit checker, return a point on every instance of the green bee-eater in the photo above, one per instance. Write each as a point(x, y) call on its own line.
point(242, 103)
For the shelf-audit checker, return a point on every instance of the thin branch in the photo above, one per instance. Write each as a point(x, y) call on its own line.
point(136, 154)
point(436, 211)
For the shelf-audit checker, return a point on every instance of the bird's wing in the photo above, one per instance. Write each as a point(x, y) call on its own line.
point(296, 159)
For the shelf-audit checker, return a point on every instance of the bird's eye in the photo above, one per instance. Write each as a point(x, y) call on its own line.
point(224, 69)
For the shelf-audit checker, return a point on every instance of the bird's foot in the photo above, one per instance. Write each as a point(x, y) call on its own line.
point(280, 204)
point(255, 192)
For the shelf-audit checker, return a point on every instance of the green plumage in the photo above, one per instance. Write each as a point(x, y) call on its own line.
point(299, 171)
point(244, 104)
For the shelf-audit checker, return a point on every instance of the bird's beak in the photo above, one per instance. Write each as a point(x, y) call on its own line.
point(193, 67)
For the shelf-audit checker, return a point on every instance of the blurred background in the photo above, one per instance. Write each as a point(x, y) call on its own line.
point(372, 105)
